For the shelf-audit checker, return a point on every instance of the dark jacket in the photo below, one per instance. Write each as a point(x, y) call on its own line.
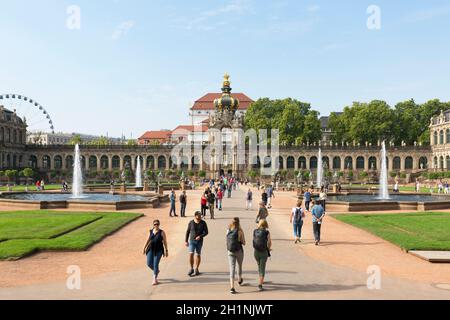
point(196, 229)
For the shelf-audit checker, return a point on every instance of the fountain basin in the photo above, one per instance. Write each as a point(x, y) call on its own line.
point(89, 201)
point(360, 202)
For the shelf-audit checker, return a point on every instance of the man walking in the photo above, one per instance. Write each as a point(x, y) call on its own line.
point(270, 195)
point(196, 231)
point(219, 199)
point(249, 199)
point(173, 199)
point(183, 203)
point(317, 217)
point(212, 202)
point(307, 197)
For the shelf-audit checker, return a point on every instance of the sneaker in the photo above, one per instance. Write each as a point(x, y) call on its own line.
point(260, 287)
point(232, 291)
point(241, 282)
point(317, 243)
point(197, 273)
point(191, 273)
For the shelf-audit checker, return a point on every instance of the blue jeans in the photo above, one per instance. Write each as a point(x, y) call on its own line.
point(195, 247)
point(172, 208)
point(298, 229)
point(153, 261)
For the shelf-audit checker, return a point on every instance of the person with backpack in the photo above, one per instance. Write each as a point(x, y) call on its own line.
point(263, 213)
point(183, 203)
point(235, 247)
point(296, 219)
point(155, 248)
point(196, 231)
point(262, 244)
point(211, 201)
point(249, 200)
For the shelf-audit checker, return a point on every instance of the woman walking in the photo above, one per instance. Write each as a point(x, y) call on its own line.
point(204, 204)
point(262, 245)
point(296, 219)
point(235, 246)
point(155, 248)
point(263, 213)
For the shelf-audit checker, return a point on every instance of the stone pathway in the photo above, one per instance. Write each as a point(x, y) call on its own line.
point(292, 272)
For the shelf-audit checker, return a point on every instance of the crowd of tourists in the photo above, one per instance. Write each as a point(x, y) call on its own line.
point(197, 230)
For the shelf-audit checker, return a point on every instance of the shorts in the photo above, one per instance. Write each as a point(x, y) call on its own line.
point(195, 247)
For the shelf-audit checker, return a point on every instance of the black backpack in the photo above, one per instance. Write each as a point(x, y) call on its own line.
point(260, 237)
point(233, 243)
point(298, 214)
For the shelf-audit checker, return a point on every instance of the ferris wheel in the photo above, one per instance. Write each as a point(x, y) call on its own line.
point(36, 116)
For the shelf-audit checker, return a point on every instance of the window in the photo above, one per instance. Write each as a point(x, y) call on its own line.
point(360, 163)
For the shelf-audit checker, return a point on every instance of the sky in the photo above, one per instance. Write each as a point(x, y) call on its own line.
point(138, 65)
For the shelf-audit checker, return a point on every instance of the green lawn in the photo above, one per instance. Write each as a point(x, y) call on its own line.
point(410, 231)
point(25, 232)
point(32, 188)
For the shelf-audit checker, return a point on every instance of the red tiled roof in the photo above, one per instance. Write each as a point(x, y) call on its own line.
point(162, 134)
point(187, 128)
point(207, 101)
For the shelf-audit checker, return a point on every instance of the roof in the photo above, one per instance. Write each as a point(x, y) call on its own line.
point(324, 120)
point(162, 134)
point(207, 101)
point(188, 128)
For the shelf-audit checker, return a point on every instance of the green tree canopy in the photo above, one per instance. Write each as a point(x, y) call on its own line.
point(295, 120)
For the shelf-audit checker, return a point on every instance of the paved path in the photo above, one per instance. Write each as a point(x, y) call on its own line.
point(291, 273)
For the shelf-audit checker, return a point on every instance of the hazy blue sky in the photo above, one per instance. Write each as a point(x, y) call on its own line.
point(136, 65)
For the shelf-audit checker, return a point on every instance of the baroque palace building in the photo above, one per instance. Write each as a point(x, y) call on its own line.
point(15, 153)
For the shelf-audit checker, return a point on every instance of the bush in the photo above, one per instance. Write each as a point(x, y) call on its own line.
point(202, 174)
point(393, 174)
point(363, 175)
point(403, 175)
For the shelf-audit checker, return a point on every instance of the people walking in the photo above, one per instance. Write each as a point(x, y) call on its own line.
point(307, 198)
point(183, 204)
point(173, 199)
point(220, 198)
point(323, 199)
point(155, 248)
point(296, 219)
point(262, 244)
point(264, 197)
point(270, 195)
point(235, 247)
point(196, 231)
point(249, 199)
point(263, 213)
point(318, 213)
point(211, 202)
point(42, 185)
point(204, 203)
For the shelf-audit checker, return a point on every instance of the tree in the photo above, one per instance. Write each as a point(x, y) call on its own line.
point(294, 119)
point(76, 140)
point(10, 174)
point(27, 173)
point(132, 142)
point(101, 141)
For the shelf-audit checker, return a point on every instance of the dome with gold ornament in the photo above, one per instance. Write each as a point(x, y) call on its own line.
point(227, 101)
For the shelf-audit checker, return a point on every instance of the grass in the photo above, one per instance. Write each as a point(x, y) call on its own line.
point(32, 188)
point(26, 232)
point(423, 189)
point(410, 231)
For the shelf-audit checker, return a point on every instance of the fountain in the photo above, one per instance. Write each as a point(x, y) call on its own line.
point(383, 191)
point(319, 170)
point(77, 184)
point(138, 173)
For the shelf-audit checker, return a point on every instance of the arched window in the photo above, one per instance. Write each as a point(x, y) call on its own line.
point(447, 161)
point(195, 163)
point(435, 162)
point(326, 162)
point(2, 134)
point(92, 162)
point(256, 163)
point(162, 162)
point(69, 162)
point(423, 163)
point(348, 163)
point(184, 163)
point(83, 162)
point(267, 162)
point(313, 162)
point(280, 163)
point(33, 162)
point(337, 163)
point(46, 162)
point(58, 162)
point(373, 163)
point(127, 162)
point(441, 163)
point(409, 163)
point(360, 163)
point(115, 162)
point(290, 163)
point(302, 163)
point(447, 136)
point(441, 137)
point(397, 163)
point(150, 162)
point(104, 162)
point(435, 138)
